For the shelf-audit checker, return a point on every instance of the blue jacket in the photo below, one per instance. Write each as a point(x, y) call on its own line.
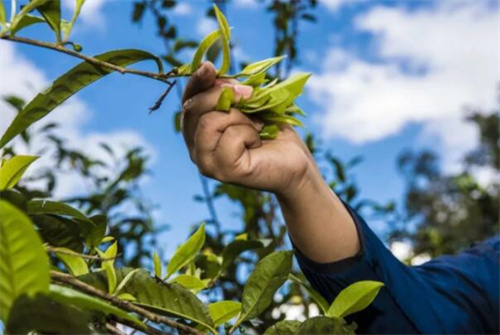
point(447, 295)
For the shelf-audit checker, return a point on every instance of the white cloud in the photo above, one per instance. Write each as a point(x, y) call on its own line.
point(205, 26)
point(451, 55)
point(91, 14)
point(182, 9)
point(246, 4)
point(335, 5)
point(22, 78)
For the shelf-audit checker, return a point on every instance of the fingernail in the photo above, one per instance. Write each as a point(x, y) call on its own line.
point(244, 90)
point(187, 104)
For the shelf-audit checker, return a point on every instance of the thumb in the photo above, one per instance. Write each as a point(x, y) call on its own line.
point(201, 80)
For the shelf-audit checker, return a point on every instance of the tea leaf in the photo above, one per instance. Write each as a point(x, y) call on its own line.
point(260, 66)
point(225, 35)
point(74, 263)
point(76, 13)
point(223, 311)
point(3, 16)
point(354, 298)
point(30, 6)
point(157, 265)
point(108, 266)
point(125, 281)
point(24, 264)
point(202, 49)
point(283, 327)
point(318, 298)
point(267, 277)
point(39, 207)
point(324, 326)
point(269, 132)
point(70, 296)
point(51, 12)
point(226, 98)
point(186, 252)
point(28, 20)
point(189, 282)
point(13, 169)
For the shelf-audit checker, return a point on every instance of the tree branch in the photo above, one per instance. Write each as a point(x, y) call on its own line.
point(76, 254)
point(157, 76)
point(125, 305)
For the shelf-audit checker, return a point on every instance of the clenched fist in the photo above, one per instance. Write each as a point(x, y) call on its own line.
point(226, 146)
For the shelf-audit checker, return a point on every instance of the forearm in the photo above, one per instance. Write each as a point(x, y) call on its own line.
point(318, 223)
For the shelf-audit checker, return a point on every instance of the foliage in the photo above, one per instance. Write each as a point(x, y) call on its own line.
point(447, 212)
point(82, 251)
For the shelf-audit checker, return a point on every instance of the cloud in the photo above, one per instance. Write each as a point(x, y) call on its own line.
point(430, 64)
point(182, 9)
point(22, 78)
point(91, 14)
point(334, 5)
point(205, 26)
point(246, 4)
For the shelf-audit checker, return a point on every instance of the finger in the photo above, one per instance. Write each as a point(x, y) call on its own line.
point(201, 80)
point(209, 130)
point(205, 102)
point(232, 155)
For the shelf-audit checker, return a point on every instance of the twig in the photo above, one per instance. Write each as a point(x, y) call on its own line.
point(125, 305)
point(113, 330)
point(150, 330)
point(158, 76)
point(71, 253)
point(162, 97)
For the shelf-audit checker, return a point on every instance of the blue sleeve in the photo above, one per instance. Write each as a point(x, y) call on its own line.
point(448, 295)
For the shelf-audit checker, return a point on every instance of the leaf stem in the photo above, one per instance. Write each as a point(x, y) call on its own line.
point(125, 305)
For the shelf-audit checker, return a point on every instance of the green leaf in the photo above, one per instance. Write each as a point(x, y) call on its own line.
point(166, 299)
point(225, 35)
point(223, 311)
point(318, 298)
point(189, 282)
point(269, 132)
point(202, 49)
point(157, 265)
point(354, 298)
point(255, 80)
point(126, 296)
point(74, 263)
point(258, 68)
point(321, 325)
point(3, 16)
point(281, 119)
point(95, 235)
point(68, 84)
point(51, 11)
point(226, 98)
point(41, 207)
point(30, 6)
point(76, 298)
point(238, 246)
point(24, 264)
point(59, 231)
point(109, 267)
point(187, 251)
point(267, 277)
point(76, 13)
point(28, 20)
point(283, 328)
point(125, 281)
point(42, 315)
point(13, 169)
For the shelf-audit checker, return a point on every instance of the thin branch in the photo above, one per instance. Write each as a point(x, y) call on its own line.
point(150, 330)
point(113, 330)
point(157, 76)
point(76, 254)
point(162, 97)
point(125, 305)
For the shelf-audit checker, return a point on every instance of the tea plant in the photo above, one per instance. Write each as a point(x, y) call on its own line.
point(58, 270)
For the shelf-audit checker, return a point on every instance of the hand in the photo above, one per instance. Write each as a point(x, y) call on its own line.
point(226, 145)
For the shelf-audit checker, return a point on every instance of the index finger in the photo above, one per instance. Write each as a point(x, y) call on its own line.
point(201, 80)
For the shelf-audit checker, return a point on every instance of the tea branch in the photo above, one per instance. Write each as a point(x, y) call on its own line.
point(125, 305)
point(123, 70)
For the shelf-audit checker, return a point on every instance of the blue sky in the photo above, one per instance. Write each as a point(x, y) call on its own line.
point(386, 76)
